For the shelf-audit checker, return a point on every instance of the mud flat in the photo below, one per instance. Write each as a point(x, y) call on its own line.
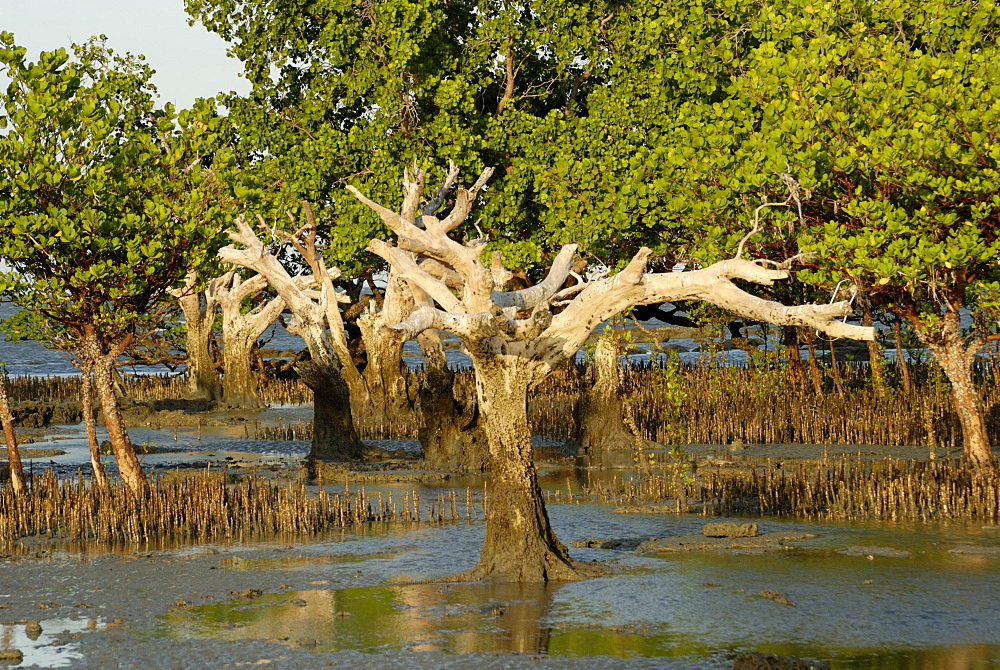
point(851, 594)
point(361, 595)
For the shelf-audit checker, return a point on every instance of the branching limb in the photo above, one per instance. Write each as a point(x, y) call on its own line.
point(602, 300)
point(794, 195)
point(501, 275)
point(441, 192)
point(452, 279)
point(464, 199)
point(543, 291)
point(471, 326)
point(756, 228)
point(316, 312)
point(405, 265)
point(432, 241)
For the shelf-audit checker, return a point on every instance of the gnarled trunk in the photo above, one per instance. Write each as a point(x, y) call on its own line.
point(203, 380)
point(334, 436)
point(240, 387)
point(199, 321)
point(946, 342)
point(318, 321)
point(10, 436)
point(600, 413)
point(515, 338)
point(451, 432)
point(519, 544)
point(955, 361)
point(87, 405)
point(121, 445)
point(379, 393)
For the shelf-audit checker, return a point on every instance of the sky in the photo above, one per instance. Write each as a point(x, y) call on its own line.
point(189, 61)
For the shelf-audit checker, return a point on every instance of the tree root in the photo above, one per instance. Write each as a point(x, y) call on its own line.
point(552, 569)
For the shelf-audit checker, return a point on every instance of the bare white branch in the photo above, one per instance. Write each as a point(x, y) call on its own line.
point(546, 289)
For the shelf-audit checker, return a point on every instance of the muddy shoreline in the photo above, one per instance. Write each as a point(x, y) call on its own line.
point(279, 600)
point(308, 601)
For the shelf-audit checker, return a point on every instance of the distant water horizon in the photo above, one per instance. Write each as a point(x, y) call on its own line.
point(28, 358)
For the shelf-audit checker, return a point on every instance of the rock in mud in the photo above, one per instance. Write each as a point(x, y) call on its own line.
point(38, 414)
point(755, 660)
point(33, 629)
point(11, 656)
point(623, 543)
point(728, 545)
point(970, 550)
point(778, 597)
point(871, 552)
point(730, 529)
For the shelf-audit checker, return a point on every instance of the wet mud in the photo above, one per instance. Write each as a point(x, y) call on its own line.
point(339, 598)
point(878, 594)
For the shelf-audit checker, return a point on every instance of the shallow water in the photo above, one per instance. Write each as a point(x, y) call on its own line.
point(933, 607)
point(356, 591)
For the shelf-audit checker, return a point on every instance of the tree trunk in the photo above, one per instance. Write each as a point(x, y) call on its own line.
point(450, 431)
point(379, 395)
point(876, 362)
point(199, 315)
point(817, 380)
point(87, 404)
point(519, 544)
point(901, 363)
point(128, 464)
point(955, 361)
point(334, 436)
point(790, 340)
point(10, 436)
point(600, 414)
point(834, 370)
point(240, 386)
point(946, 342)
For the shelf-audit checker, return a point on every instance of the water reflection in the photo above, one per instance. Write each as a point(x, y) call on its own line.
point(511, 618)
point(48, 643)
point(419, 617)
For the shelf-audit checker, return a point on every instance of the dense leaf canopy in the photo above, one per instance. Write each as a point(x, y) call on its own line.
point(885, 114)
point(105, 199)
point(565, 98)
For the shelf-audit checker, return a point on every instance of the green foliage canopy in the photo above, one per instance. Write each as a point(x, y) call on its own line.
point(660, 123)
point(553, 94)
point(885, 113)
point(105, 199)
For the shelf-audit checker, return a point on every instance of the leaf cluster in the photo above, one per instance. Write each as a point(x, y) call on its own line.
point(107, 199)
